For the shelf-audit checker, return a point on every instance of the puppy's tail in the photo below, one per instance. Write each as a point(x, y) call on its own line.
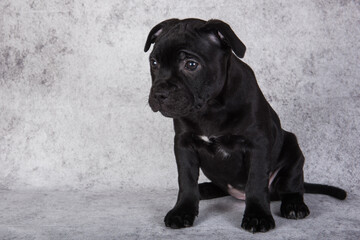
point(209, 190)
point(325, 189)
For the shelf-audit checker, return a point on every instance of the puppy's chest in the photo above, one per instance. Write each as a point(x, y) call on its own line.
point(215, 147)
point(223, 161)
point(222, 156)
point(221, 147)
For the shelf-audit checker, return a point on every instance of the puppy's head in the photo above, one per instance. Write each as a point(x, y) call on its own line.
point(188, 64)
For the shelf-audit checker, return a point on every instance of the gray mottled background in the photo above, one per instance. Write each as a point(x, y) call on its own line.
point(74, 82)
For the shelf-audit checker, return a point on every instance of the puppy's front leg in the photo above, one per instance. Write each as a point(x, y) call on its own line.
point(257, 216)
point(187, 205)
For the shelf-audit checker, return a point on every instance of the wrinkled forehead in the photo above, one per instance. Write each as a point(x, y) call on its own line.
point(183, 37)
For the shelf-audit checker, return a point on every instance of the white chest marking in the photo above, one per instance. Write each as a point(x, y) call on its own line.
point(218, 150)
point(205, 139)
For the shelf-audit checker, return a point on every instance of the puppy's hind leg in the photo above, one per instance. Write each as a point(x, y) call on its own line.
point(209, 190)
point(289, 182)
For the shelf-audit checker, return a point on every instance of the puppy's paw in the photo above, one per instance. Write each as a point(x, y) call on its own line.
point(294, 210)
point(257, 223)
point(180, 218)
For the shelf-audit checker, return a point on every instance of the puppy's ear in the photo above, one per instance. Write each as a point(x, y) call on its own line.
point(226, 35)
point(157, 30)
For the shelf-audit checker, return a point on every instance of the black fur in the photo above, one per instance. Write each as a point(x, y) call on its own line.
point(223, 125)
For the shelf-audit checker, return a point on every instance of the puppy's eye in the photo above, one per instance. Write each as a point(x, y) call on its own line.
point(191, 65)
point(154, 63)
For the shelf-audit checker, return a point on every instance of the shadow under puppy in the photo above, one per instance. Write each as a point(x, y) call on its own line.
point(223, 125)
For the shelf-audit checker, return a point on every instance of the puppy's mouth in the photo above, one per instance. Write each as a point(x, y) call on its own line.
point(171, 104)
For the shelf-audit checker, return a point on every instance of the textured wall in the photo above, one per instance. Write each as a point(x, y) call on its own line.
point(74, 84)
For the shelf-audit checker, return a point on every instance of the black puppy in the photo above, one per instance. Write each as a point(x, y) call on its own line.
point(223, 125)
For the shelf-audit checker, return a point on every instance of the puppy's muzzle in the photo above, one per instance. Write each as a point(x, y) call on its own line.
point(170, 100)
point(159, 95)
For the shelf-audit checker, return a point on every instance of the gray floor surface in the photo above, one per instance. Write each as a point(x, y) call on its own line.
point(138, 214)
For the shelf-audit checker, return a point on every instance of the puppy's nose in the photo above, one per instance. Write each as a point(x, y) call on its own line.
point(161, 96)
